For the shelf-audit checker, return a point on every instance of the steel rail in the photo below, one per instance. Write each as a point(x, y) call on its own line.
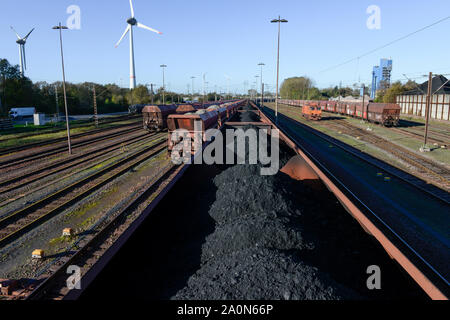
point(70, 161)
point(12, 150)
point(15, 216)
point(47, 287)
point(53, 151)
point(59, 129)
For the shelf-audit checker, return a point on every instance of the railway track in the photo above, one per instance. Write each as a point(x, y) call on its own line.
point(12, 150)
point(420, 136)
point(431, 171)
point(418, 243)
point(96, 249)
point(17, 223)
point(23, 179)
point(72, 126)
point(52, 151)
point(441, 135)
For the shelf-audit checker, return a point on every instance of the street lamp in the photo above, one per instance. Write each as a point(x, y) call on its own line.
point(261, 64)
point(279, 21)
point(192, 88)
point(163, 66)
point(60, 28)
point(256, 88)
point(204, 75)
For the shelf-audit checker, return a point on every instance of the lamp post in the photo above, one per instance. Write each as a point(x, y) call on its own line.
point(192, 78)
point(261, 64)
point(256, 88)
point(279, 21)
point(427, 110)
point(204, 77)
point(61, 28)
point(163, 66)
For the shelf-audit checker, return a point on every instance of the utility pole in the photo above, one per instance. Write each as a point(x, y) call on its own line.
point(57, 103)
point(262, 95)
point(151, 86)
point(362, 109)
point(60, 28)
point(192, 78)
point(279, 21)
point(256, 88)
point(427, 112)
point(262, 84)
point(204, 88)
point(95, 107)
point(163, 66)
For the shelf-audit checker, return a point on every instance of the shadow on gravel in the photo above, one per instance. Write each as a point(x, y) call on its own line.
point(61, 255)
point(406, 123)
point(331, 118)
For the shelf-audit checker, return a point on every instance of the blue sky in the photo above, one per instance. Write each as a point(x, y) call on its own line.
point(229, 37)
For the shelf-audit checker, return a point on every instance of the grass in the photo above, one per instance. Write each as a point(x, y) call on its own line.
point(60, 240)
point(18, 138)
point(82, 210)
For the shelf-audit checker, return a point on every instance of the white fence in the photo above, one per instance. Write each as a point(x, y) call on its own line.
point(416, 104)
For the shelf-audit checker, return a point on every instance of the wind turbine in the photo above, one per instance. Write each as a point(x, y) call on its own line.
point(21, 42)
point(132, 22)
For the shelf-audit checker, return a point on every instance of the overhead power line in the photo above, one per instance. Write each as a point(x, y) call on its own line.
point(385, 45)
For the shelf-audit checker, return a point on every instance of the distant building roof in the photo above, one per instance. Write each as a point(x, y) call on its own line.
point(350, 99)
point(437, 83)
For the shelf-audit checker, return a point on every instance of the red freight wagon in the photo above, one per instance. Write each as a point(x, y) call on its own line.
point(361, 112)
point(350, 109)
point(331, 106)
point(387, 114)
point(341, 107)
point(155, 117)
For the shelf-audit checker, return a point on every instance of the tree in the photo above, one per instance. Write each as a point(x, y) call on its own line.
point(296, 88)
point(15, 89)
point(396, 89)
point(139, 95)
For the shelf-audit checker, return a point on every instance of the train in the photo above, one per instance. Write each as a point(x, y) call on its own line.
point(135, 108)
point(312, 111)
point(155, 116)
point(386, 114)
point(212, 117)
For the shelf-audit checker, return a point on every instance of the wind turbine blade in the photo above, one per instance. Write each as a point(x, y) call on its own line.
point(24, 58)
point(132, 9)
point(18, 37)
point(26, 37)
point(140, 25)
point(124, 34)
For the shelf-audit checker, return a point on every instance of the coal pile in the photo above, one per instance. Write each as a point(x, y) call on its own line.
point(258, 274)
point(249, 117)
point(250, 253)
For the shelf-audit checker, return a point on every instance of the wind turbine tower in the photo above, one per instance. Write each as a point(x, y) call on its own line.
point(132, 22)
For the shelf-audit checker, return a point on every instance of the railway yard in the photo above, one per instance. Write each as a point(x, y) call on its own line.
point(398, 146)
point(119, 208)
